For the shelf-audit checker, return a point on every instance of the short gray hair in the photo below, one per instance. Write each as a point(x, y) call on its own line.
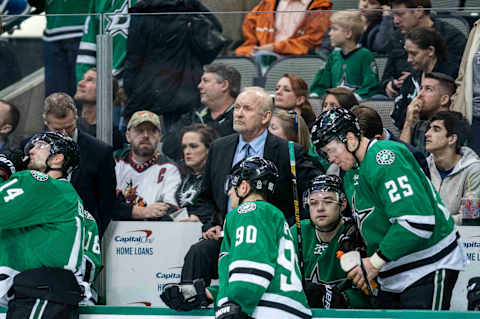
point(224, 72)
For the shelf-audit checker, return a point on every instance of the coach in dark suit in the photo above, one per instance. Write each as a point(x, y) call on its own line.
point(252, 113)
point(94, 178)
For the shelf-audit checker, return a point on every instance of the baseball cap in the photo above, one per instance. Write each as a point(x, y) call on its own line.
point(144, 116)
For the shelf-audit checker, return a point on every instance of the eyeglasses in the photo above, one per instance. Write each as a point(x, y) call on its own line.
point(295, 116)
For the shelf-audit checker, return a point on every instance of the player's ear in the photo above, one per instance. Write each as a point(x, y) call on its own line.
point(244, 188)
point(56, 161)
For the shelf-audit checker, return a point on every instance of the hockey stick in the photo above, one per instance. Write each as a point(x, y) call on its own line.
point(291, 152)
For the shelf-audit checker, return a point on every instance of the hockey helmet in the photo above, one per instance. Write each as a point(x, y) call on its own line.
point(59, 144)
point(332, 124)
point(325, 183)
point(259, 172)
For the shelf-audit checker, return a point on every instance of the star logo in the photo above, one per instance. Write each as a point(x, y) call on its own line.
point(360, 215)
point(355, 179)
point(119, 20)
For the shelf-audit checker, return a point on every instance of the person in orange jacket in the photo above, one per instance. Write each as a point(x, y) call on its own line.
point(276, 33)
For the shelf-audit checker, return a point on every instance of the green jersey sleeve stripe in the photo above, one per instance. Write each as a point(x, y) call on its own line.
point(251, 279)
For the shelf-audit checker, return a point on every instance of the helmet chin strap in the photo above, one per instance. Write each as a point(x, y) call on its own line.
point(354, 151)
point(339, 219)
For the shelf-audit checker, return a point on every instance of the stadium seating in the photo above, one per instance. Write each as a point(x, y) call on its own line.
point(305, 66)
point(248, 69)
point(384, 109)
point(381, 63)
point(458, 22)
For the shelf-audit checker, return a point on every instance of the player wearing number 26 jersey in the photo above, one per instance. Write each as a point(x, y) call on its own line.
point(414, 249)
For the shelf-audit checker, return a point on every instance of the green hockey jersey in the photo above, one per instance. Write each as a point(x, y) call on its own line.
point(65, 19)
point(92, 257)
point(258, 267)
point(356, 71)
point(115, 23)
point(321, 266)
point(401, 215)
point(42, 225)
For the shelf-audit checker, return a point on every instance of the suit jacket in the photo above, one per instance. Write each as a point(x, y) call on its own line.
point(212, 203)
point(94, 178)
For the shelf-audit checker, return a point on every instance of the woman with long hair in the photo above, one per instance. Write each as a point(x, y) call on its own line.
point(291, 94)
point(196, 141)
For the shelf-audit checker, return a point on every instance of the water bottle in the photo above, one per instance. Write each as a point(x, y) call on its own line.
point(470, 210)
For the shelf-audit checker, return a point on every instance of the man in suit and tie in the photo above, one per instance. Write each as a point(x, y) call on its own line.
point(252, 113)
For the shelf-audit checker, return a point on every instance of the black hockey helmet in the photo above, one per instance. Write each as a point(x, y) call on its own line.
point(332, 124)
point(10, 163)
point(261, 173)
point(59, 144)
point(325, 183)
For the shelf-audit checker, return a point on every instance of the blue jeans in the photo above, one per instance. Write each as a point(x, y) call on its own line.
point(60, 58)
point(475, 143)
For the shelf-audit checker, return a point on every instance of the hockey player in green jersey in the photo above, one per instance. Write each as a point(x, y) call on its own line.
point(258, 268)
point(325, 233)
point(43, 225)
point(414, 250)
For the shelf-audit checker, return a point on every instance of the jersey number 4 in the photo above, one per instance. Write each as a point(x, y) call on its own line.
point(11, 192)
point(393, 190)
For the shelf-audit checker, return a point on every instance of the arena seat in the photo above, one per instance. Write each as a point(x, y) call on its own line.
point(304, 66)
point(248, 69)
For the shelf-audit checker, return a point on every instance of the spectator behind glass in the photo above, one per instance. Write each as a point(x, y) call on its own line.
point(165, 56)
point(455, 168)
point(427, 53)
point(289, 126)
point(9, 118)
point(349, 65)
point(379, 24)
point(146, 178)
point(338, 97)
point(196, 141)
point(291, 94)
point(408, 15)
point(467, 98)
point(285, 33)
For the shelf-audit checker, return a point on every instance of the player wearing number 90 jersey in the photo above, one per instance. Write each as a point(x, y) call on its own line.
point(258, 267)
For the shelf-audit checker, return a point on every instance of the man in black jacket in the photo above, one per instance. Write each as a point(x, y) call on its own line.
point(252, 113)
point(406, 19)
point(94, 178)
point(165, 55)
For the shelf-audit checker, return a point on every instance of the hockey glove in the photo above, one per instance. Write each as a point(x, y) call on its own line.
point(473, 293)
point(230, 310)
point(351, 239)
point(325, 296)
point(6, 167)
point(185, 297)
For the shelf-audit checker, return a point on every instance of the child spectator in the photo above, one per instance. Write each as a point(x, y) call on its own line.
point(349, 65)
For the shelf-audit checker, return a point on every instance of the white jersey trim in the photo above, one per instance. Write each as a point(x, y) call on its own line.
point(87, 46)
point(252, 279)
point(285, 301)
point(406, 220)
point(74, 255)
point(86, 59)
